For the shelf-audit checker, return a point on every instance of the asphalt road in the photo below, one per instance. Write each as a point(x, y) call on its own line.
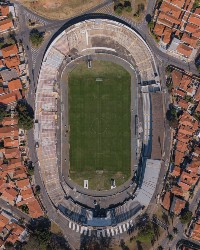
point(52, 27)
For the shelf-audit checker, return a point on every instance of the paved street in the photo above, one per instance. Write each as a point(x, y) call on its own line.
point(34, 58)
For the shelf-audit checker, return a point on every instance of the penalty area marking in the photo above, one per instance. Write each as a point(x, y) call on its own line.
point(99, 80)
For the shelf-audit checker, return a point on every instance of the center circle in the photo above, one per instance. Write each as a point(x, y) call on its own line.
point(99, 126)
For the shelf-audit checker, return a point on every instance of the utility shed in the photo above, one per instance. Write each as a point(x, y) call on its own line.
point(157, 125)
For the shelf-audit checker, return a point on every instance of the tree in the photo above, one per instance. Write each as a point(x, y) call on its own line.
point(168, 69)
point(171, 214)
point(188, 98)
point(186, 216)
point(172, 116)
point(36, 37)
point(94, 243)
point(41, 236)
point(10, 15)
point(146, 235)
point(24, 208)
point(150, 25)
point(37, 189)
point(118, 9)
point(127, 6)
point(3, 112)
point(128, 9)
point(196, 4)
point(140, 7)
point(196, 116)
point(25, 115)
point(170, 237)
point(175, 230)
point(9, 245)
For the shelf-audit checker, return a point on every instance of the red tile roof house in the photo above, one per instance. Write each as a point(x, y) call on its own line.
point(198, 108)
point(179, 157)
point(196, 151)
point(193, 167)
point(177, 191)
point(195, 234)
point(185, 82)
point(176, 78)
point(184, 50)
point(176, 171)
point(8, 121)
point(175, 17)
point(167, 200)
point(189, 178)
point(9, 195)
point(10, 50)
point(11, 98)
point(177, 205)
point(197, 94)
point(10, 231)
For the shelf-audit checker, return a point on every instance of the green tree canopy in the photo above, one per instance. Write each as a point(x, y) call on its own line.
point(10, 15)
point(150, 25)
point(127, 6)
point(186, 216)
point(25, 115)
point(170, 237)
point(36, 37)
point(172, 116)
point(24, 208)
point(41, 237)
point(175, 230)
point(146, 235)
point(118, 9)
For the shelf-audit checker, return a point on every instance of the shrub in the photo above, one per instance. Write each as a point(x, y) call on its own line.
point(25, 115)
point(146, 235)
point(186, 217)
point(172, 116)
point(36, 37)
point(118, 9)
point(10, 15)
point(128, 9)
point(150, 25)
point(127, 6)
point(24, 208)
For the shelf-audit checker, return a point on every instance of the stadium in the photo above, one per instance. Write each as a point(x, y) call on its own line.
point(99, 82)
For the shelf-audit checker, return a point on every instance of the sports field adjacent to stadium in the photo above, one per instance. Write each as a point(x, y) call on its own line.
point(99, 122)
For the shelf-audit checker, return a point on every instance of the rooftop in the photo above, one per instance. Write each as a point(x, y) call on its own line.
point(166, 200)
point(10, 50)
point(177, 205)
point(15, 85)
point(176, 78)
point(184, 50)
point(14, 96)
point(6, 24)
point(12, 61)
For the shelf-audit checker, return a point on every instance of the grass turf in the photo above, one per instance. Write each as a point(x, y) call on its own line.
point(99, 119)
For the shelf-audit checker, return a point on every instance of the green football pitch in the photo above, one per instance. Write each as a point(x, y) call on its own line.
point(99, 122)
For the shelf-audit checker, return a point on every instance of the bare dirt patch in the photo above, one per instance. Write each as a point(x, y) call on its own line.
point(59, 9)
